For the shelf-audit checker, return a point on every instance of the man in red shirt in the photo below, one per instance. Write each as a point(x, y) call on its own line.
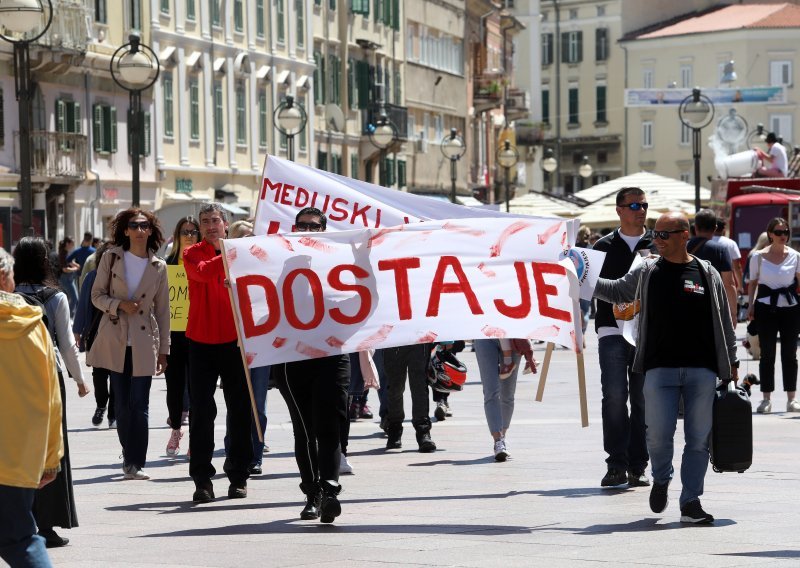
point(213, 352)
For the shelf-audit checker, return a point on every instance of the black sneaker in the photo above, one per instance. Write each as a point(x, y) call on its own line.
point(614, 478)
point(203, 494)
point(98, 416)
point(693, 513)
point(638, 479)
point(659, 497)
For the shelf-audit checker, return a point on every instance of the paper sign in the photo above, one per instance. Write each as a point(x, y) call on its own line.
point(178, 297)
point(588, 263)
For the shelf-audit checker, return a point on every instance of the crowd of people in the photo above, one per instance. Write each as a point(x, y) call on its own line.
point(680, 281)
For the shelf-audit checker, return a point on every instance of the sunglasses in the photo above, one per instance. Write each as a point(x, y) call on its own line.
point(189, 233)
point(635, 206)
point(781, 232)
point(139, 225)
point(316, 227)
point(664, 235)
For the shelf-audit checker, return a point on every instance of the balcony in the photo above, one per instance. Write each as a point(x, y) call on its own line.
point(55, 156)
point(518, 104)
point(397, 114)
point(71, 26)
point(487, 91)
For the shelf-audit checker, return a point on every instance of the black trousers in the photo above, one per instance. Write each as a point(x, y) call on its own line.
point(103, 393)
point(206, 363)
point(315, 392)
point(770, 322)
point(411, 360)
point(176, 376)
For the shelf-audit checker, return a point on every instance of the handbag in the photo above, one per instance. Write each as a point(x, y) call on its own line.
point(89, 334)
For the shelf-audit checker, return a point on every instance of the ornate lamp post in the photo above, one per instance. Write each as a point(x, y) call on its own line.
point(696, 111)
point(19, 17)
point(453, 148)
point(585, 170)
point(135, 67)
point(507, 157)
point(549, 164)
point(290, 119)
point(381, 135)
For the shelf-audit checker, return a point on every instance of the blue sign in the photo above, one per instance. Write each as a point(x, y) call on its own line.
point(674, 97)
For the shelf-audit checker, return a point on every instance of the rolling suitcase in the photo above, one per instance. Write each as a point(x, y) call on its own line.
point(732, 430)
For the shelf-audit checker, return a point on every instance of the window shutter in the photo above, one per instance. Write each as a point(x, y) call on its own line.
point(395, 15)
point(76, 116)
point(145, 140)
point(398, 91)
point(387, 12)
point(362, 77)
point(564, 47)
point(113, 130)
point(390, 177)
point(354, 166)
point(97, 127)
point(2, 119)
point(351, 82)
point(401, 174)
point(332, 4)
point(60, 112)
point(324, 79)
point(546, 107)
point(337, 79)
point(580, 47)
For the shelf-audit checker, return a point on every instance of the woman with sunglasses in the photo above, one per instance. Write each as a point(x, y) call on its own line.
point(132, 341)
point(772, 291)
point(187, 233)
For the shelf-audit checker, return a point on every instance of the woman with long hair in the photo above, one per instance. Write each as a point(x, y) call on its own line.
point(187, 233)
point(132, 342)
point(67, 272)
point(775, 306)
point(54, 504)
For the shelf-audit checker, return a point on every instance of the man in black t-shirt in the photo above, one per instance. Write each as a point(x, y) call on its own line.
point(702, 246)
point(685, 341)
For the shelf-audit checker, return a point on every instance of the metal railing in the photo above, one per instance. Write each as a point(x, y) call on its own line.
point(397, 114)
point(56, 154)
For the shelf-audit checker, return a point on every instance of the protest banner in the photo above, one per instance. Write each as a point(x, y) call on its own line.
point(178, 297)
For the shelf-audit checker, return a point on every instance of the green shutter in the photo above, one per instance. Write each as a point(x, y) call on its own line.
point(60, 112)
point(390, 177)
point(395, 15)
point(354, 166)
point(362, 78)
point(351, 82)
point(398, 91)
point(146, 134)
point(580, 46)
point(546, 107)
point(401, 174)
point(97, 127)
point(113, 131)
point(601, 104)
point(386, 12)
point(332, 4)
point(323, 79)
point(190, 13)
point(322, 160)
point(564, 47)
point(337, 80)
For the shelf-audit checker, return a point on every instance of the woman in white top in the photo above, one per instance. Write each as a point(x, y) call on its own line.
point(132, 341)
point(774, 305)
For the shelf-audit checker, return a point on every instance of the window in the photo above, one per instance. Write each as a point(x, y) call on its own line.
point(360, 7)
point(685, 177)
point(299, 6)
point(68, 116)
point(686, 135)
point(322, 160)
point(216, 17)
point(319, 78)
point(601, 44)
point(281, 23)
point(601, 11)
point(194, 109)
point(354, 163)
point(165, 6)
point(191, 14)
point(334, 69)
point(169, 116)
point(601, 104)
point(364, 84)
point(573, 14)
point(572, 47)
point(438, 126)
point(647, 78)
point(647, 134)
point(301, 136)
point(144, 136)
point(602, 156)
point(238, 16)
point(401, 174)
point(547, 49)
point(262, 120)
point(336, 164)
point(260, 18)
point(546, 107)
point(398, 91)
point(219, 114)
point(573, 106)
point(100, 11)
point(332, 4)
point(241, 116)
point(352, 85)
point(780, 73)
point(104, 128)
point(781, 125)
point(411, 125)
point(135, 14)
point(686, 77)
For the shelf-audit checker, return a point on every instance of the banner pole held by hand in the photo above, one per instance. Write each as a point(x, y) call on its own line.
point(582, 390)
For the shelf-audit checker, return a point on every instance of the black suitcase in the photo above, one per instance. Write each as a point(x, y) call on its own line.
point(732, 431)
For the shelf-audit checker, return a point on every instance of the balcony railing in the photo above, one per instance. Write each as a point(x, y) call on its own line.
point(488, 88)
point(71, 26)
point(397, 114)
point(56, 155)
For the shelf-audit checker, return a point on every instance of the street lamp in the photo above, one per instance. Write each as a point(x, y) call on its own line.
point(19, 17)
point(549, 164)
point(696, 111)
point(453, 148)
point(381, 135)
point(507, 157)
point(757, 136)
point(585, 170)
point(132, 68)
point(290, 119)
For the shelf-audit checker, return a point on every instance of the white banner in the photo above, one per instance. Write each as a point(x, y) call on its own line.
point(287, 187)
point(306, 295)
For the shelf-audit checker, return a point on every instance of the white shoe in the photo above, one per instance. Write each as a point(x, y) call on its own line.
point(765, 407)
point(793, 406)
point(345, 467)
point(501, 450)
point(112, 424)
point(174, 443)
point(133, 472)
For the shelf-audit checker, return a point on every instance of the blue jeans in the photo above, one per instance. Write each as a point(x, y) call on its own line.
point(19, 544)
point(498, 395)
point(132, 406)
point(623, 434)
point(67, 282)
point(663, 388)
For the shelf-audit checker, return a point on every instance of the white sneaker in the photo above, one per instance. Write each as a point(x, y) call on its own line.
point(501, 450)
point(765, 407)
point(185, 418)
point(174, 443)
point(345, 467)
point(112, 424)
point(133, 472)
point(793, 406)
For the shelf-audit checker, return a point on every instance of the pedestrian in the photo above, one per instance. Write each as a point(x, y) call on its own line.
point(214, 352)
point(132, 291)
point(685, 341)
point(67, 271)
point(31, 444)
point(186, 234)
point(623, 432)
point(80, 254)
point(85, 315)
point(54, 505)
point(315, 391)
point(774, 305)
point(733, 252)
point(704, 247)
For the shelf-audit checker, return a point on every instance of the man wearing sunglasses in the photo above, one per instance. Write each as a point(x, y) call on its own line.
point(623, 433)
point(685, 341)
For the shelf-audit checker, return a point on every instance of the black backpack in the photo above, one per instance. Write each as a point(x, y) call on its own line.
point(39, 298)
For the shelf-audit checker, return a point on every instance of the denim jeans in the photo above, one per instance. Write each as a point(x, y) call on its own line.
point(663, 387)
point(498, 395)
point(260, 379)
point(623, 434)
point(132, 407)
point(19, 543)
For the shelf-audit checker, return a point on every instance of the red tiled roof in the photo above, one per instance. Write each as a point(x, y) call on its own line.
point(734, 17)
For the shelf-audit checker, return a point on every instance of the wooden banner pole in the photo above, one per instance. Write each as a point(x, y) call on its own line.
point(545, 367)
point(582, 390)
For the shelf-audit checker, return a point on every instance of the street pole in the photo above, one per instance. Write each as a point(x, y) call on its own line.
point(22, 76)
point(135, 120)
point(453, 179)
point(508, 200)
point(696, 157)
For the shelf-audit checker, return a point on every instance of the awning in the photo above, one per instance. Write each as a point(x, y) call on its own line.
point(283, 76)
point(302, 82)
point(262, 72)
point(233, 209)
point(166, 53)
point(219, 63)
point(241, 64)
point(192, 60)
point(175, 196)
